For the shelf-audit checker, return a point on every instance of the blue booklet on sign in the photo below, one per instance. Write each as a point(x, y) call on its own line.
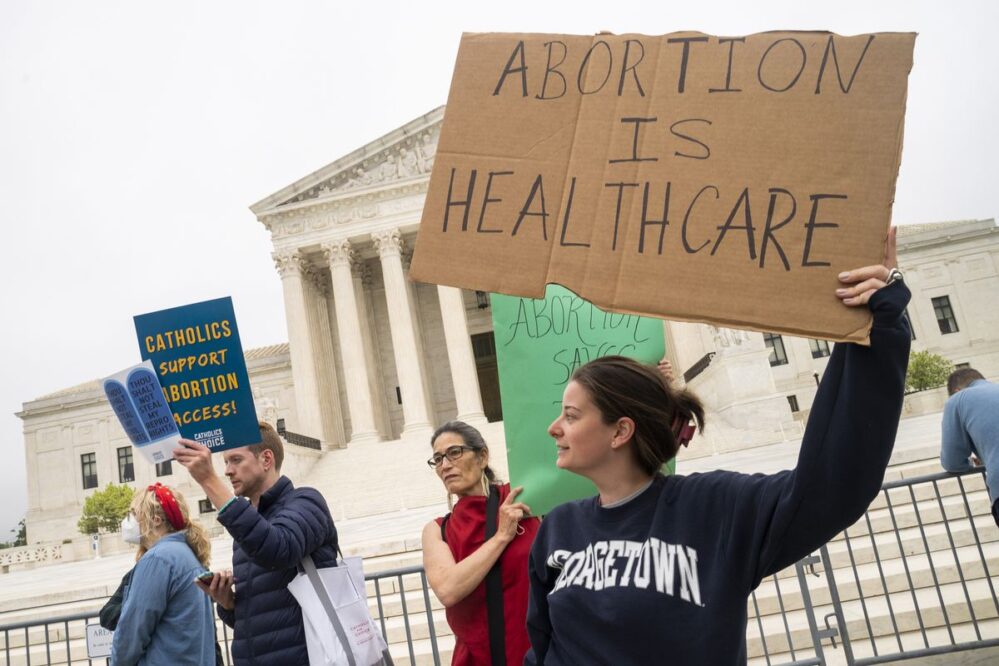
point(196, 353)
point(137, 400)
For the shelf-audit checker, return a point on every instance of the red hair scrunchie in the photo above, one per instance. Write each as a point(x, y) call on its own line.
point(683, 430)
point(169, 503)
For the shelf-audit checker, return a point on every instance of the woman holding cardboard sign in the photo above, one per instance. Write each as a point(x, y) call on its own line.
point(658, 569)
point(476, 556)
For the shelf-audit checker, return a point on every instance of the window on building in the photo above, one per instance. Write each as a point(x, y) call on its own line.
point(776, 344)
point(945, 314)
point(908, 318)
point(205, 506)
point(88, 463)
point(126, 470)
point(792, 401)
point(484, 350)
point(164, 468)
point(820, 348)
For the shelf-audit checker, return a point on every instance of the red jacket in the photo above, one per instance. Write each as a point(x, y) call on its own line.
point(465, 532)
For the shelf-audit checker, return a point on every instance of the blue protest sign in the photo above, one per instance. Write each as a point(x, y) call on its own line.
point(196, 353)
point(138, 402)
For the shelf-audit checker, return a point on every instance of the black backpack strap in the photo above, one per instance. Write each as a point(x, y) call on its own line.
point(494, 587)
point(443, 527)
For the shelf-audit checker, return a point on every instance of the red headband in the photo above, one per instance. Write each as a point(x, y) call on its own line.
point(169, 503)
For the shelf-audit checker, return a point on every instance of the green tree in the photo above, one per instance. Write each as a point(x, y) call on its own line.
point(22, 534)
point(21, 538)
point(105, 509)
point(926, 371)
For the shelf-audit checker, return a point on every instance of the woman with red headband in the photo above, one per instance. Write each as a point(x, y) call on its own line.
point(165, 619)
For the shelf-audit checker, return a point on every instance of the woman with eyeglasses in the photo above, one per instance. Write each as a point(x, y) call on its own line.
point(476, 558)
point(165, 619)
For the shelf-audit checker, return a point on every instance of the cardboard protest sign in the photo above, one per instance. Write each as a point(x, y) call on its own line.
point(717, 179)
point(137, 400)
point(539, 343)
point(197, 355)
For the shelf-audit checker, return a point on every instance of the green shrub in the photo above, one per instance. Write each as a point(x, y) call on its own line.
point(926, 371)
point(105, 509)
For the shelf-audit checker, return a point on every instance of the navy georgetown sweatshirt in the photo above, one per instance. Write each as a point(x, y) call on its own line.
point(664, 578)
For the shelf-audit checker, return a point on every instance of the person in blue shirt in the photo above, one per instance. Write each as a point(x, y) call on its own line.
point(657, 569)
point(971, 428)
point(165, 619)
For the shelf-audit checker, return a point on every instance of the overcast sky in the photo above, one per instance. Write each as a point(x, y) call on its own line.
point(134, 136)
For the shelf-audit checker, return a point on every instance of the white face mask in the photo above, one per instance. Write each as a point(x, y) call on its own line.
point(130, 530)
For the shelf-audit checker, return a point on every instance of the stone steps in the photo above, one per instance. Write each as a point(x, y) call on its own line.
point(942, 560)
point(896, 577)
point(882, 626)
point(423, 652)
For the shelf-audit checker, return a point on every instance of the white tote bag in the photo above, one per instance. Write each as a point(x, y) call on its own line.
point(339, 630)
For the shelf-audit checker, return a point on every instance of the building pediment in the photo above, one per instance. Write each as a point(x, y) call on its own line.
point(403, 155)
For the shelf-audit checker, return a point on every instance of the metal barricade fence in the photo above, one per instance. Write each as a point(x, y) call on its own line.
point(400, 604)
point(934, 547)
point(62, 640)
point(915, 576)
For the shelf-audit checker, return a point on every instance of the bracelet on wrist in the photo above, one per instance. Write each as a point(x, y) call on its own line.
point(226, 505)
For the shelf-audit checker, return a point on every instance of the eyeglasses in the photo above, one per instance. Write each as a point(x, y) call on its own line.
point(452, 453)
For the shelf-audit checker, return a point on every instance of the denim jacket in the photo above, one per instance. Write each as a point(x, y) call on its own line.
point(165, 619)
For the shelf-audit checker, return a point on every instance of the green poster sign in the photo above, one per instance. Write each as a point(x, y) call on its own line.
point(539, 343)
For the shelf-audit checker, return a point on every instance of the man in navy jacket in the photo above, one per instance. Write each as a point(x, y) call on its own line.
point(273, 526)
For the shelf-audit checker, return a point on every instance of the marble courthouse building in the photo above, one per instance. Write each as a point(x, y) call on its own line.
point(374, 362)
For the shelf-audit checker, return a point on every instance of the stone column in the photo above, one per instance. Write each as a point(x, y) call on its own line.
point(356, 372)
point(405, 346)
point(363, 282)
point(461, 358)
point(301, 345)
point(317, 288)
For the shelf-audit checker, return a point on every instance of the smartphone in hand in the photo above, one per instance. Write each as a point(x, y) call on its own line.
point(205, 577)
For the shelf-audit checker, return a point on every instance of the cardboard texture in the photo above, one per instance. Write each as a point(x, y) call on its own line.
point(539, 343)
point(714, 179)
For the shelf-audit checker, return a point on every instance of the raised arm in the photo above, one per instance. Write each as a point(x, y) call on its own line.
point(849, 437)
point(453, 581)
point(282, 540)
